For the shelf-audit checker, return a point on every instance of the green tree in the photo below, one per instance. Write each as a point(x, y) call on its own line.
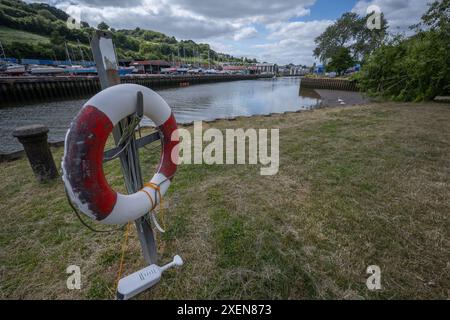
point(415, 68)
point(46, 14)
point(56, 38)
point(102, 26)
point(341, 60)
point(437, 16)
point(350, 31)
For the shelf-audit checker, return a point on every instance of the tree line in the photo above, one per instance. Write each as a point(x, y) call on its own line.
point(394, 66)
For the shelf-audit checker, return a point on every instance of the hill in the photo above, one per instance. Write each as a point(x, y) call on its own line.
point(8, 35)
point(38, 30)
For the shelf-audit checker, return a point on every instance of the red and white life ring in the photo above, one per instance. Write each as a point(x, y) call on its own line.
point(82, 164)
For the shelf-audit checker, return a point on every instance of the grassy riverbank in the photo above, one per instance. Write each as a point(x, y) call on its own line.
point(357, 186)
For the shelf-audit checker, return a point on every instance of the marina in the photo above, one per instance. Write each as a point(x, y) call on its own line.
point(26, 90)
point(200, 102)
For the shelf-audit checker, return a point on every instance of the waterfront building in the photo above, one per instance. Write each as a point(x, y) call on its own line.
point(150, 66)
point(235, 69)
point(266, 68)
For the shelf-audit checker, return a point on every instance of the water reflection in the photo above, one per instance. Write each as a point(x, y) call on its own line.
point(309, 93)
point(199, 102)
point(221, 100)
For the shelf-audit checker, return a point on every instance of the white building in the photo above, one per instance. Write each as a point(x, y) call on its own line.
point(292, 70)
point(266, 68)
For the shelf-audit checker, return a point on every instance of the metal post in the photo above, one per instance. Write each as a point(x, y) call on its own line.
point(2, 53)
point(107, 69)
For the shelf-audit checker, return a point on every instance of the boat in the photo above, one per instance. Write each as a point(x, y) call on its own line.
point(168, 70)
point(80, 70)
point(124, 71)
point(195, 70)
point(211, 71)
point(182, 70)
point(45, 70)
point(77, 70)
point(14, 69)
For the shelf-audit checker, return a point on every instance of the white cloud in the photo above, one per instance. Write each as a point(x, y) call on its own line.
point(154, 15)
point(238, 9)
point(245, 33)
point(189, 19)
point(400, 14)
point(293, 42)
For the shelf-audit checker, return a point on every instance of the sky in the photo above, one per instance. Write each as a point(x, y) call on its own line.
point(276, 31)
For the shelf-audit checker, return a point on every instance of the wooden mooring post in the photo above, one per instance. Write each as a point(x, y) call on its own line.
point(34, 141)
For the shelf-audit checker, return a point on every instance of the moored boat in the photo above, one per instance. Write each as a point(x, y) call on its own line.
point(45, 70)
point(14, 69)
point(80, 70)
point(123, 71)
point(76, 70)
point(211, 71)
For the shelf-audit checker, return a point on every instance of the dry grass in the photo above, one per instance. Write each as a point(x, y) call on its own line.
point(357, 186)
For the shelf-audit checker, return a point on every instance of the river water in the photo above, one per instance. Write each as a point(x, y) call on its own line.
point(197, 102)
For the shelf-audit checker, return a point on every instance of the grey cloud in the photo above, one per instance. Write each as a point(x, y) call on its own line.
point(194, 19)
point(95, 3)
point(184, 27)
point(242, 9)
point(111, 3)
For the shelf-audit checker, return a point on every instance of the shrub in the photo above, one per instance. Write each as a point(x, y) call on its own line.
point(411, 69)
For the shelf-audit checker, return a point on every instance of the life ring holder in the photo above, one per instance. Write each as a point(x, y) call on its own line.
point(82, 163)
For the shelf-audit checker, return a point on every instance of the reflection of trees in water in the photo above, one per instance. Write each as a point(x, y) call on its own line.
point(310, 93)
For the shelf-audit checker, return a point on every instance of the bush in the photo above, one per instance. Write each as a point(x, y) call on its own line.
point(411, 69)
